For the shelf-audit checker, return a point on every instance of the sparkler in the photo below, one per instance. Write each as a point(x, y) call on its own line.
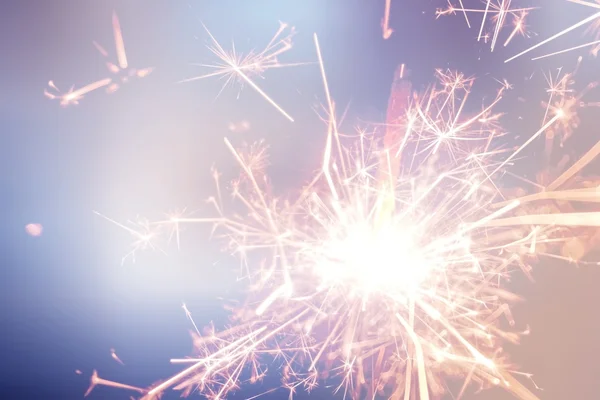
point(386, 271)
point(121, 69)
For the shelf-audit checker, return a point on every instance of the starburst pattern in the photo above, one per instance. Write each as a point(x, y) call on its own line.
point(238, 68)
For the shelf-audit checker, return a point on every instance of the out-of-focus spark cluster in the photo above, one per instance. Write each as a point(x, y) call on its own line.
point(34, 229)
point(238, 68)
point(120, 71)
point(388, 270)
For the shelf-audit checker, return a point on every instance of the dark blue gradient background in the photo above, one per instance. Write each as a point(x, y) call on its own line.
point(65, 300)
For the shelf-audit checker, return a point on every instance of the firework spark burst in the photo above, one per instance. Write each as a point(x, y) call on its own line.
point(388, 271)
point(240, 69)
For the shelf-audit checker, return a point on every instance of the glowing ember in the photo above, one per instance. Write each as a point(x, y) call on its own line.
point(34, 229)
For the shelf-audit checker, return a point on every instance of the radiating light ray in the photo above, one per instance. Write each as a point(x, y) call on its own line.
point(533, 137)
point(115, 357)
point(585, 3)
point(566, 100)
point(145, 233)
point(236, 67)
point(584, 219)
point(121, 68)
point(501, 12)
point(591, 18)
point(119, 44)
point(576, 168)
point(188, 314)
point(485, 13)
point(587, 195)
point(96, 380)
point(385, 23)
point(387, 272)
point(567, 50)
point(73, 96)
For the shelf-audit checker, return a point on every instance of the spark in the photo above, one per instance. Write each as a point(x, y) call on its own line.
point(567, 50)
point(240, 68)
point(115, 357)
point(575, 168)
point(593, 17)
point(73, 96)
point(519, 27)
point(565, 102)
point(122, 66)
point(501, 12)
point(95, 380)
point(385, 23)
point(34, 229)
point(144, 232)
point(188, 314)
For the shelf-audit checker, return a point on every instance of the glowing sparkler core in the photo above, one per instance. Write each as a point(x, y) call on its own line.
point(383, 261)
